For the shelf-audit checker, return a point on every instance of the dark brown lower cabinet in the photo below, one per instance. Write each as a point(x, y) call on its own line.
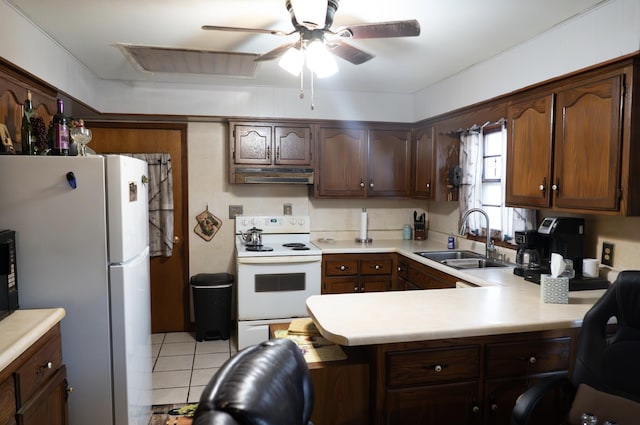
point(467, 381)
point(48, 405)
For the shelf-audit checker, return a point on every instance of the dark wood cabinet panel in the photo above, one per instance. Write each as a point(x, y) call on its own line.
point(347, 273)
point(358, 162)
point(341, 162)
point(529, 152)
point(252, 144)
point(389, 163)
point(293, 145)
point(571, 147)
point(424, 163)
point(48, 406)
point(588, 145)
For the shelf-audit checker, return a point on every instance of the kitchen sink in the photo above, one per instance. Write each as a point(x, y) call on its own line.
point(461, 259)
point(441, 256)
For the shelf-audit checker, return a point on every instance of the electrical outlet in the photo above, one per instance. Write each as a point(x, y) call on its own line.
point(607, 254)
point(235, 210)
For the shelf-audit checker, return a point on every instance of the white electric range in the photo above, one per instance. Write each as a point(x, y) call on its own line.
point(274, 278)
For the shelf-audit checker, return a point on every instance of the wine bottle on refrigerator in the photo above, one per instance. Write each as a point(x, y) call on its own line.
point(28, 138)
point(60, 132)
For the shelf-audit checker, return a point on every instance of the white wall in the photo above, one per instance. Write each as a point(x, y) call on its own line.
point(606, 32)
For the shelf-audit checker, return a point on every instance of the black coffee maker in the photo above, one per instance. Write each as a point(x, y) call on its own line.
point(564, 236)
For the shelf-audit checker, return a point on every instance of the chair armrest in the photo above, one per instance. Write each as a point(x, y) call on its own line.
point(527, 402)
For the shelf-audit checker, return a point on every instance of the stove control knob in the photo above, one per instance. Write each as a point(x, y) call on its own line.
point(301, 221)
point(292, 221)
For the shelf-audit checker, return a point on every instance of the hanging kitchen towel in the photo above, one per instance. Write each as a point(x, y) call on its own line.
point(160, 203)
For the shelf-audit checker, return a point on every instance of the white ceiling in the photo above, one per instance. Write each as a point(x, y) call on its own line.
point(455, 35)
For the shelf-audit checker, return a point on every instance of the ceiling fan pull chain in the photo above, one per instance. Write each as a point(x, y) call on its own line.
point(302, 83)
point(312, 105)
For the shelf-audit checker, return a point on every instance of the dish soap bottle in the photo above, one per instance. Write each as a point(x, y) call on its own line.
point(451, 242)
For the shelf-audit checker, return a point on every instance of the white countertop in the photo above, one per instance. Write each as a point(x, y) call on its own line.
point(504, 303)
point(22, 328)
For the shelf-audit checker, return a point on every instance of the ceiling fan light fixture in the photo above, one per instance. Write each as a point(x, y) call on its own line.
point(310, 11)
point(292, 61)
point(319, 60)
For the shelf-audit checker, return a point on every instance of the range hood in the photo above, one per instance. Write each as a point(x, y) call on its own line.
point(274, 175)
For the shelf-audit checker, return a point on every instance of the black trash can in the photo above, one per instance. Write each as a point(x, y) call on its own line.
point(212, 305)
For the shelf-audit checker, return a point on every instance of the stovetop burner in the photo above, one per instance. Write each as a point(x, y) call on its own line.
point(296, 246)
point(258, 248)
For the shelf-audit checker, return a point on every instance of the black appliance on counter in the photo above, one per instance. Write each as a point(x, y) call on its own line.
point(555, 235)
point(8, 273)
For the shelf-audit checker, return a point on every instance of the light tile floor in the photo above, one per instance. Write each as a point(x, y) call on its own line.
point(183, 366)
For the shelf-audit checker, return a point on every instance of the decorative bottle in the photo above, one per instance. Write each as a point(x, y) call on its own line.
point(60, 132)
point(29, 146)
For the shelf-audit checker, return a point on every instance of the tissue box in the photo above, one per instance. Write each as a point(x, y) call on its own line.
point(554, 290)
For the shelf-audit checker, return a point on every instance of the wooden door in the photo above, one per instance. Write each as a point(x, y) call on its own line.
point(423, 165)
point(169, 275)
point(529, 152)
point(341, 162)
point(252, 144)
point(293, 145)
point(389, 163)
point(588, 145)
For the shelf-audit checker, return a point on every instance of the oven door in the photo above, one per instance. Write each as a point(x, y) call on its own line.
point(276, 287)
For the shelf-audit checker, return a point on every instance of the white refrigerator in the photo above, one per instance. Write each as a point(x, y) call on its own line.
point(82, 243)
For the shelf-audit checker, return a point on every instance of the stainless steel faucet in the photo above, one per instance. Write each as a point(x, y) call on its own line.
point(489, 247)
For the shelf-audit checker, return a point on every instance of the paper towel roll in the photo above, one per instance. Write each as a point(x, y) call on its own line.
point(363, 224)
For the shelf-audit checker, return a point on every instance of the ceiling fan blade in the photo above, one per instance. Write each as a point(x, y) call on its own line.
point(240, 29)
point(275, 53)
point(348, 52)
point(410, 28)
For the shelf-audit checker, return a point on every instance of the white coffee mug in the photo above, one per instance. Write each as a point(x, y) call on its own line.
point(590, 267)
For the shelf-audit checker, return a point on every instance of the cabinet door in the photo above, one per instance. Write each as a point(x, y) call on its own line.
point(588, 145)
point(292, 145)
point(340, 285)
point(434, 404)
point(252, 144)
point(425, 277)
point(375, 284)
point(341, 168)
point(48, 405)
point(389, 163)
point(423, 165)
point(7, 402)
point(529, 152)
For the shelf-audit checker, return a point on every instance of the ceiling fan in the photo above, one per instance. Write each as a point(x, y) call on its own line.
point(312, 20)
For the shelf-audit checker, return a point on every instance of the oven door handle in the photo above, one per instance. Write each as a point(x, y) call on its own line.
point(280, 260)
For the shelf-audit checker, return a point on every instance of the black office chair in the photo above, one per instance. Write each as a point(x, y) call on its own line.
point(609, 363)
point(265, 384)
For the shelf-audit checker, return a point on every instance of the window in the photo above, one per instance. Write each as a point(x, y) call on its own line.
point(483, 161)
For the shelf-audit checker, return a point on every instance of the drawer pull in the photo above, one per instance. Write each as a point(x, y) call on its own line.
point(41, 370)
point(438, 368)
point(532, 360)
point(475, 409)
point(343, 268)
point(377, 267)
point(494, 407)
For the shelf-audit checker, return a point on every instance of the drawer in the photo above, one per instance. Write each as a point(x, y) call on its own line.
point(7, 402)
point(433, 366)
point(376, 266)
point(528, 357)
point(38, 369)
point(341, 267)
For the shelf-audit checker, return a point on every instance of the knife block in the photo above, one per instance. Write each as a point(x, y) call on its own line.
point(419, 230)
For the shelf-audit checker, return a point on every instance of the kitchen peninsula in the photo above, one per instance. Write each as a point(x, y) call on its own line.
point(452, 355)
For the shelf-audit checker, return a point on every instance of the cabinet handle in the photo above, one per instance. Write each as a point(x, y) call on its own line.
point(543, 187)
point(343, 268)
point(47, 365)
point(438, 368)
point(429, 186)
point(556, 187)
point(278, 152)
point(377, 267)
point(371, 184)
point(355, 289)
point(399, 268)
point(268, 152)
point(494, 407)
point(361, 184)
point(532, 360)
point(475, 409)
